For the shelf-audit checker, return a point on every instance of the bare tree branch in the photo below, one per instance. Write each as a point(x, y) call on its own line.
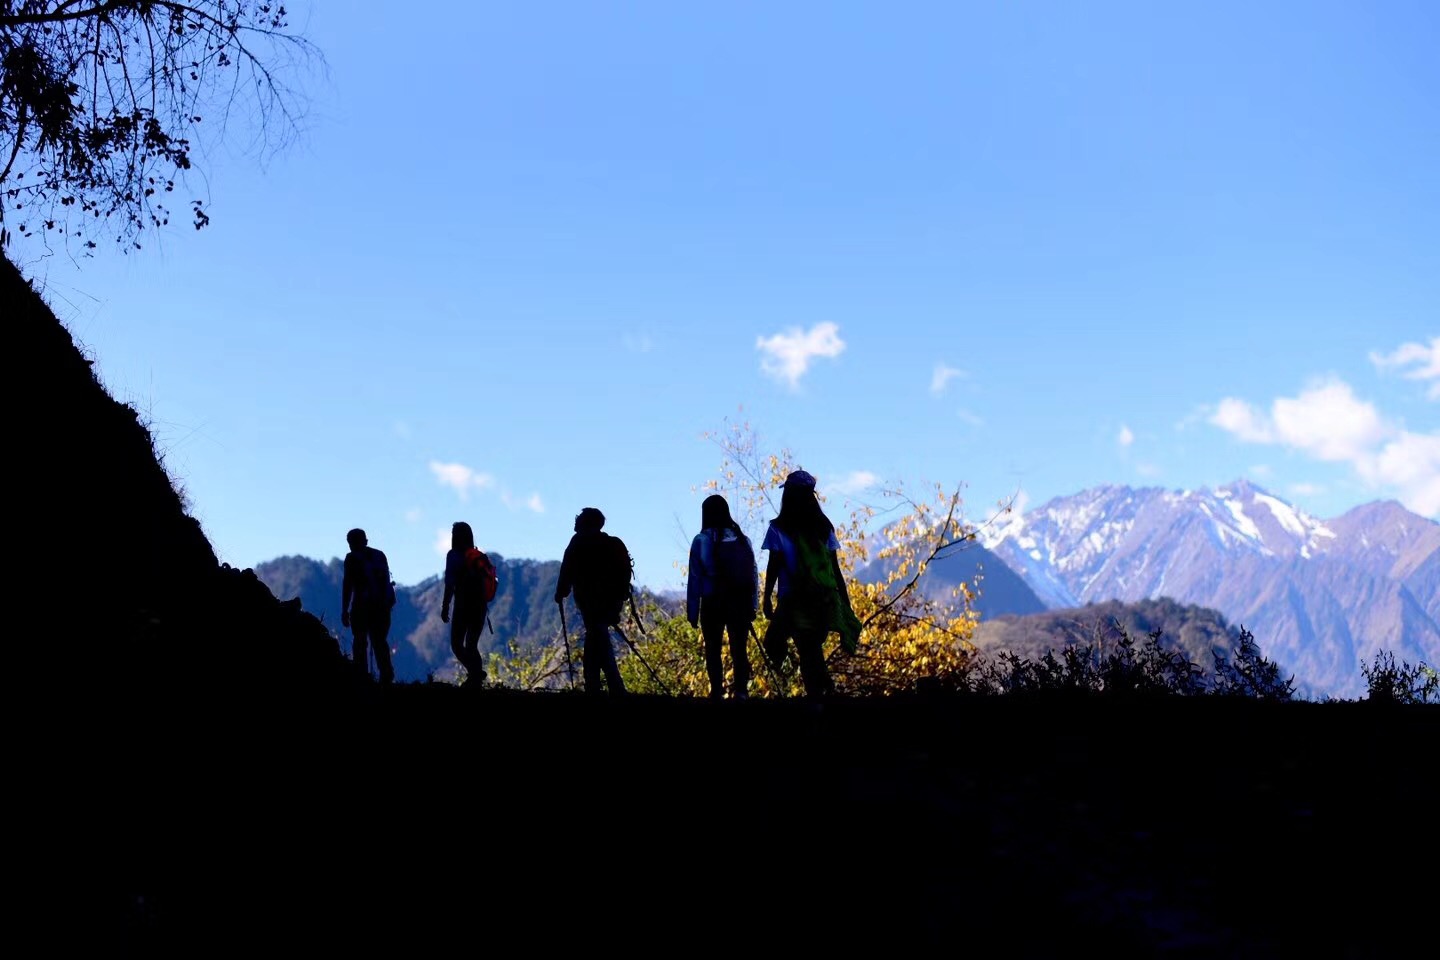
point(100, 104)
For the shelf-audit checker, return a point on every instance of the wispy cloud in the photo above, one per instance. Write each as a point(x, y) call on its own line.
point(442, 541)
point(857, 481)
point(638, 342)
point(787, 356)
point(402, 429)
point(940, 379)
point(1125, 437)
point(1415, 361)
point(1148, 470)
point(465, 480)
point(413, 515)
point(1328, 422)
point(974, 419)
point(533, 503)
point(1303, 489)
point(460, 478)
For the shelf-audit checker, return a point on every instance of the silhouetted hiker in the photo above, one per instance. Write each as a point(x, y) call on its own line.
point(721, 593)
point(804, 561)
point(600, 577)
point(470, 581)
point(366, 596)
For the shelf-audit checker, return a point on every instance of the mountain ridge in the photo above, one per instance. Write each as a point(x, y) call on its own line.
point(1320, 596)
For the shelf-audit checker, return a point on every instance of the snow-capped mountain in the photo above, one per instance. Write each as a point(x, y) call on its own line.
point(1320, 596)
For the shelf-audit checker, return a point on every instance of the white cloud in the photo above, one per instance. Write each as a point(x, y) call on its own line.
point(1261, 470)
point(461, 478)
point(1238, 417)
point(942, 376)
point(1329, 423)
point(1125, 437)
point(442, 541)
point(402, 429)
point(1148, 469)
point(638, 342)
point(974, 419)
point(534, 503)
point(413, 515)
point(787, 356)
point(1411, 463)
point(857, 481)
point(1423, 361)
point(1306, 489)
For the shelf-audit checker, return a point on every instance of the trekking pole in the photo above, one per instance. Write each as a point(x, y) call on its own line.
point(565, 632)
point(636, 650)
point(776, 672)
point(635, 615)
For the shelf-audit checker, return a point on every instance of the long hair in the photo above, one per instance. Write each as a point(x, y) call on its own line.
point(461, 536)
point(801, 516)
point(715, 515)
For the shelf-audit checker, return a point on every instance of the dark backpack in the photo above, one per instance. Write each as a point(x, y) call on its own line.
point(733, 564)
point(602, 574)
point(373, 586)
point(618, 574)
point(478, 578)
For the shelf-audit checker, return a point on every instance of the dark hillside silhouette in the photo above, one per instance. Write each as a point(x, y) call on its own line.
point(110, 551)
point(197, 772)
point(1037, 827)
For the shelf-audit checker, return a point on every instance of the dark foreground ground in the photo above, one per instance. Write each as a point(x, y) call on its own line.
point(426, 821)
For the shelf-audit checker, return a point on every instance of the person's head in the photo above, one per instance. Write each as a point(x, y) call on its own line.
point(589, 520)
point(356, 538)
point(800, 513)
point(715, 514)
point(461, 536)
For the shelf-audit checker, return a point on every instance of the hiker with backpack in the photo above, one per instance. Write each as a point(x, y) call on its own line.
point(367, 595)
point(470, 582)
point(813, 601)
point(597, 567)
point(720, 594)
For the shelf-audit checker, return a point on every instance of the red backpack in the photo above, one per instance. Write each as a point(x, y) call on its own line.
point(478, 579)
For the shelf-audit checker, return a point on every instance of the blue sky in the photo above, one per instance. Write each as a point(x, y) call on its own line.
point(525, 255)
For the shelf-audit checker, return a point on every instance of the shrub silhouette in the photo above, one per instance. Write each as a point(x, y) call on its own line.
point(1387, 683)
point(1113, 663)
point(1249, 674)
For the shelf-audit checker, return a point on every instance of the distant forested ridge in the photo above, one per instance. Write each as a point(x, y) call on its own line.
point(1195, 630)
point(524, 615)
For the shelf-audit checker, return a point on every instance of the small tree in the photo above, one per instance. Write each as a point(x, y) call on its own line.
point(542, 668)
point(101, 102)
point(910, 635)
